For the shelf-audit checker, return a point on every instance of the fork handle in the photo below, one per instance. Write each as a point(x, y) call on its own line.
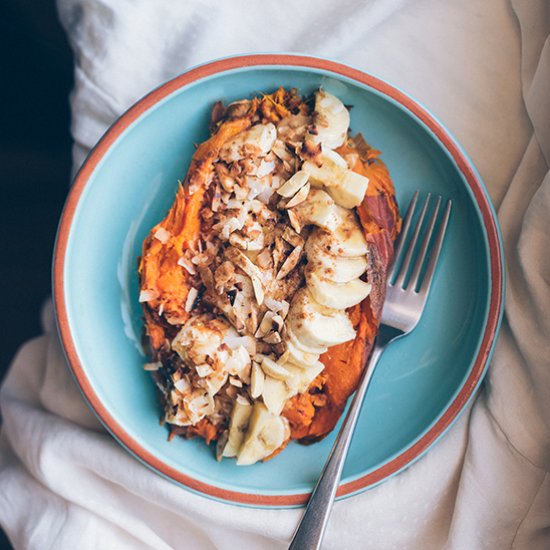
point(310, 531)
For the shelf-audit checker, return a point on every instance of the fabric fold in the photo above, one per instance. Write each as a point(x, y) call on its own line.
point(65, 482)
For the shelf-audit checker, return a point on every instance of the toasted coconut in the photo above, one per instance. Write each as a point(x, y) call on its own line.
point(272, 338)
point(188, 265)
point(162, 235)
point(310, 151)
point(191, 297)
point(148, 295)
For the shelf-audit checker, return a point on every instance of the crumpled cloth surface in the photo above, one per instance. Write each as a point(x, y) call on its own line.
point(484, 69)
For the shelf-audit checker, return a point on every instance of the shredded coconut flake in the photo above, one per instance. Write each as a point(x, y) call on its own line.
point(203, 370)
point(162, 235)
point(193, 293)
point(187, 265)
point(148, 295)
point(182, 385)
point(152, 366)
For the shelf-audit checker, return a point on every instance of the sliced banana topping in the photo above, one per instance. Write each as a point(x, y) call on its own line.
point(352, 191)
point(293, 184)
point(300, 357)
point(318, 325)
point(266, 433)
point(331, 121)
point(240, 415)
point(257, 140)
point(347, 240)
point(257, 380)
point(273, 369)
point(346, 187)
point(335, 268)
point(337, 295)
point(307, 348)
point(318, 209)
point(301, 378)
point(275, 394)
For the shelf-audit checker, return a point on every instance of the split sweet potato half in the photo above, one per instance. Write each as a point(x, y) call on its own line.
point(175, 282)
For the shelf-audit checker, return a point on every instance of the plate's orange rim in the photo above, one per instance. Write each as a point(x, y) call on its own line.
point(495, 254)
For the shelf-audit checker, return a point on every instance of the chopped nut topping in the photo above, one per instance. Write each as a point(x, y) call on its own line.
point(290, 263)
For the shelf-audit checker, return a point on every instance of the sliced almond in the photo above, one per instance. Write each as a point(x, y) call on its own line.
point(242, 261)
point(299, 197)
point(242, 400)
point(152, 366)
point(278, 323)
point(148, 295)
point(279, 148)
point(235, 382)
point(203, 370)
point(266, 325)
point(291, 237)
point(294, 221)
point(290, 263)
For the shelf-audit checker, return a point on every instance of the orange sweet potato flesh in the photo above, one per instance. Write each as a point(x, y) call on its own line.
point(312, 415)
point(158, 268)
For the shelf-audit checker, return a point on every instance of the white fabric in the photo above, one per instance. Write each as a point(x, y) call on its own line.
point(484, 69)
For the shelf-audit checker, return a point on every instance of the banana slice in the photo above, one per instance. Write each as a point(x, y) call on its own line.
point(352, 190)
point(291, 337)
point(275, 394)
point(266, 433)
point(347, 188)
point(293, 184)
point(334, 268)
point(273, 369)
point(258, 139)
point(331, 120)
point(240, 416)
point(347, 240)
point(303, 377)
point(300, 357)
point(331, 172)
point(257, 379)
point(318, 209)
point(317, 325)
point(337, 295)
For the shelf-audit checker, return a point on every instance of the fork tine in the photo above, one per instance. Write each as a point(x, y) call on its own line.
point(400, 281)
point(413, 283)
point(403, 234)
point(434, 256)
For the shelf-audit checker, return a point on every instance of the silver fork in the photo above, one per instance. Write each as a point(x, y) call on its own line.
point(406, 295)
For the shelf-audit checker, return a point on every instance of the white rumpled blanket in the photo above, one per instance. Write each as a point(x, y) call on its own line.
point(484, 69)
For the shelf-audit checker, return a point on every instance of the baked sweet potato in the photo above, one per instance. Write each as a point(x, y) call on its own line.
point(221, 289)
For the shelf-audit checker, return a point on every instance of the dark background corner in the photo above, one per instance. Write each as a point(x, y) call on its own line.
point(35, 158)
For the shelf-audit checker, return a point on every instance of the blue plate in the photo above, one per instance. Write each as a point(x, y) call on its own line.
point(128, 183)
